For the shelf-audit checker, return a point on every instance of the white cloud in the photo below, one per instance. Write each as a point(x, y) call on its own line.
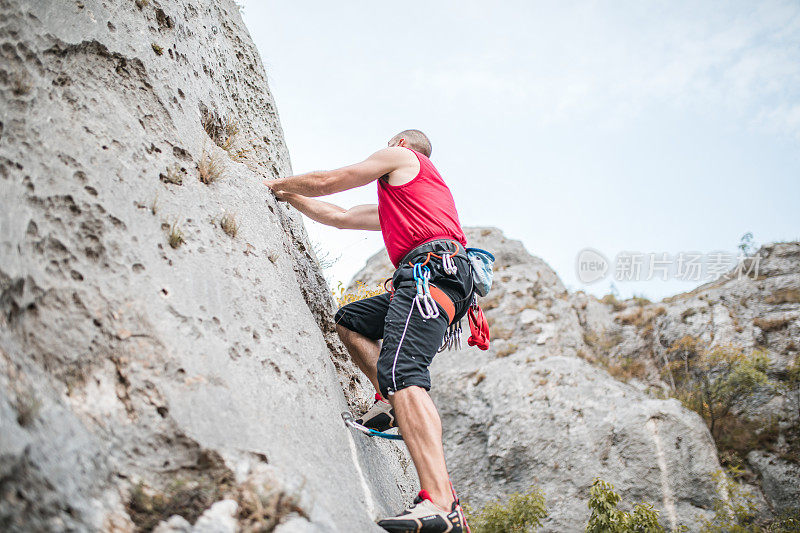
point(616, 63)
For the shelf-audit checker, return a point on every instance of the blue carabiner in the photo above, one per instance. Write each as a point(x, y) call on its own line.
point(426, 276)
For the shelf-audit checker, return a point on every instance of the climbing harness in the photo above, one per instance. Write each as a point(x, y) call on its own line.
point(350, 422)
point(481, 264)
point(448, 264)
point(422, 275)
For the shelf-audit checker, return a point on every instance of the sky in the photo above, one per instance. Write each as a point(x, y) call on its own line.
point(626, 127)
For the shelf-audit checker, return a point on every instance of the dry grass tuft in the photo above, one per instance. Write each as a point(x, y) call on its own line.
point(691, 311)
point(772, 322)
point(212, 124)
point(226, 133)
point(360, 292)
point(209, 168)
point(640, 316)
point(175, 235)
point(610, 299)
point(230, 127)
point(229, 225)
point(506, 350)
point(602, 342)
point(626, 369)
point(158, 49)
point(232, 143)
point(499, 332)
point(147, 508)
point(784, 296)
point(174, 174)
point(263, 508)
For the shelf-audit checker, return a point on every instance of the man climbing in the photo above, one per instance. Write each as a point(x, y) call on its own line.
point(431, 289)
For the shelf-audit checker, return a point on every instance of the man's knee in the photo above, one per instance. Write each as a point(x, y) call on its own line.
point(346, 334)
point(392, 379)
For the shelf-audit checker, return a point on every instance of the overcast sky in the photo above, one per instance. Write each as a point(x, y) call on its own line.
point(652, 127)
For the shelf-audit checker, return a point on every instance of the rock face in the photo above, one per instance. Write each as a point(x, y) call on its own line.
point(779, 480)
point(529, 411)
point(138, 378)
point(754, 307)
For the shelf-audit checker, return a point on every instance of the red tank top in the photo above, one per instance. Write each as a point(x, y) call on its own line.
point(416, 212)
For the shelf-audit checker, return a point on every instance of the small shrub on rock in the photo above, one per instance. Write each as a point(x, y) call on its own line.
point(606, 518)
point(712, 381)
point(734, 509)
point(520, 513)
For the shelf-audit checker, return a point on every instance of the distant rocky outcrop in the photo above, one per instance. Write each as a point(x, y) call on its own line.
point(756, 306)
point(541, 408)
point(166, 339)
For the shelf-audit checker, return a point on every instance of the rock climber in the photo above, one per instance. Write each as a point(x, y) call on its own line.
point(417, 215)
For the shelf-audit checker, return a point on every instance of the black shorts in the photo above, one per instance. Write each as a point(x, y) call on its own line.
point(410, 341)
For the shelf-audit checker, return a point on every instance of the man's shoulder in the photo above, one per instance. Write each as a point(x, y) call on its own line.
point(399, 153)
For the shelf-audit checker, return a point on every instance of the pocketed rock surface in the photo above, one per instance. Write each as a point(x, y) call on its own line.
point(138, 379)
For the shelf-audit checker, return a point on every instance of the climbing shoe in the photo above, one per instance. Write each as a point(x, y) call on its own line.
point(425, 517)
point(380, 416)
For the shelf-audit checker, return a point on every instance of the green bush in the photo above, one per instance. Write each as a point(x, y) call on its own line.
point(520, 513)
point(714, 382)
point(734, 509)
point(606, 518)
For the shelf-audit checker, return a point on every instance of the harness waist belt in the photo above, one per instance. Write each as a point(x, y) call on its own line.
point(438, 246)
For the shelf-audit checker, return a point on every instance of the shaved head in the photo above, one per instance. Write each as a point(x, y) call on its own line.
point(415, 140)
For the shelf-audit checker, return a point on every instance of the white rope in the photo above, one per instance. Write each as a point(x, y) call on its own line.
point(399, 344)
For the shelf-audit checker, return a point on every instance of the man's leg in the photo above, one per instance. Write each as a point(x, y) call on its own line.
point(421, 428)
point(364, 352)
point(359, 325)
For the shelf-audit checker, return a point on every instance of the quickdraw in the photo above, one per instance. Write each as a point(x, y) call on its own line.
point(369, 432)
point(452, 339)
point(425, 302)
point(449, 265)
point(478, 328)
point(422, 275)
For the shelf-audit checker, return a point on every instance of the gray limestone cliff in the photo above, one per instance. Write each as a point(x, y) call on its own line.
point(165, 332)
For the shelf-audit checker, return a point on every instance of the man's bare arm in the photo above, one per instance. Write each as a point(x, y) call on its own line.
point(359, 217)
point(325, 182)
